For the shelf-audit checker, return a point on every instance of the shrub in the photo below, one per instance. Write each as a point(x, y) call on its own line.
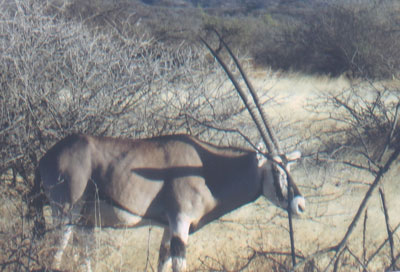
point(363, 117)
point(60, 76)
point(337, 38)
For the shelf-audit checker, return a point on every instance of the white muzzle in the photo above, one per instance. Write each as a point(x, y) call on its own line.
point(298, 205)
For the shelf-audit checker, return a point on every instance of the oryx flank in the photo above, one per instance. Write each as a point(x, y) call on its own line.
point(177, 181)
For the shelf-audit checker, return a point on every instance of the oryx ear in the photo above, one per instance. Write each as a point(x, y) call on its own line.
point(292, 158)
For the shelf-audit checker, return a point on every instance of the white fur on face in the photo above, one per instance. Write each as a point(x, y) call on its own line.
point(270, 190)
point(269, 187)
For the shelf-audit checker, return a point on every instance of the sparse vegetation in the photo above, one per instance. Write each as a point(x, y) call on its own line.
point(336, 39)
point(364, 119)
point(93, 67)
point(359, 40)
point(60, 77)
point(318, 37)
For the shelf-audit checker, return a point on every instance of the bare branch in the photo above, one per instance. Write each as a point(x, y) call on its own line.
point(255, 97)
point(361, 167)
point(390, 234)
point(243, 96)
point(392, 131)
point(367, 196)
point(373, 255)
point(228, 130)
point(365, 236)
point(357, 259)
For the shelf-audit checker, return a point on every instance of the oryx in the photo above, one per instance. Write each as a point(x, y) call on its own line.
point(176, 181)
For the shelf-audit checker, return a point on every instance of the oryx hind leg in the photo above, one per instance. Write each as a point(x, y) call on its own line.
point(61, 244)
point(63, 222)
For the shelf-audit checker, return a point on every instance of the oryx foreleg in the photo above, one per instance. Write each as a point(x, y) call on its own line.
point(179, 238)
point(164, 257)
point(86, 237)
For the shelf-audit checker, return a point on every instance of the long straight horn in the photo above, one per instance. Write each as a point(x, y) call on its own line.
point(254, 95)
point(264, 134)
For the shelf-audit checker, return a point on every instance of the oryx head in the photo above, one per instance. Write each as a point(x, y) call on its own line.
point(275, 182)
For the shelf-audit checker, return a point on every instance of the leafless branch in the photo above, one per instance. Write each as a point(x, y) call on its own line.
point(255, 97)
point(244, 98)
point(373, 255)
point(228, 130)
point(357, 259)
point(392, 131)
point(367, 196)
point(365, 236)
point(390, 234)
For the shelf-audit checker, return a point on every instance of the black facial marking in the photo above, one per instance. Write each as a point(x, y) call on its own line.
point(177, 247)
point(277, 185)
